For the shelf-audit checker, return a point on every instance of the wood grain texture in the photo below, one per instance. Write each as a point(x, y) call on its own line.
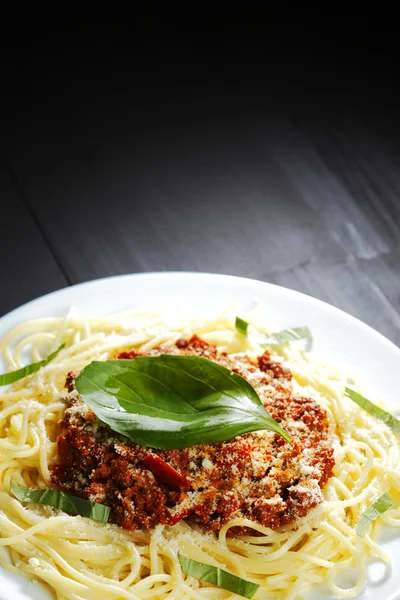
point(269, 163)
point(353, 287)
point(368, 167)
point(203, 204)
point(275, 211)
point(27, 267)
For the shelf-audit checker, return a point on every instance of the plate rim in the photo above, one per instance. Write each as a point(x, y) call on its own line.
point(14, 313)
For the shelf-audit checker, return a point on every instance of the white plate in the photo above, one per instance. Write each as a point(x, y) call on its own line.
point(338, 338)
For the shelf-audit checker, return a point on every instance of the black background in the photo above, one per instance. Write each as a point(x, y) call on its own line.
point(237, 144)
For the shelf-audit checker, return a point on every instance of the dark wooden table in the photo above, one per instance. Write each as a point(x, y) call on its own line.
point(261, 159)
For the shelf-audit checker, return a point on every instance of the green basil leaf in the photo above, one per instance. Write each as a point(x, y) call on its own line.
point(241, 325)
point(218, 577)
point(172, 402)
point(63, 501)
point(8, 378)
point(279, 337)
point(374, 410)
point(287, 335)
point(372, 513)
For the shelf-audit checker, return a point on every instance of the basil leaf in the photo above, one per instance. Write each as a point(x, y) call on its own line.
point(288, 335)
point(63, 501)
point(218, 577)
point(171, 402)
point(372, 513)
point(374, 410)
point(279, 337)
point(8, 378)
point(241, 325)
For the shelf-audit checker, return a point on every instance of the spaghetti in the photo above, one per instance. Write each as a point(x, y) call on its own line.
point(83, 559)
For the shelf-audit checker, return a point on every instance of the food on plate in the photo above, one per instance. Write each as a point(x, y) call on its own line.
point(147, 456)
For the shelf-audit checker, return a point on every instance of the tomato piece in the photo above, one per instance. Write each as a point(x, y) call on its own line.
point(65, 451)
point(165, 472)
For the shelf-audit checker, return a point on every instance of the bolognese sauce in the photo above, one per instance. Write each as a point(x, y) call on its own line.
point(257, 476)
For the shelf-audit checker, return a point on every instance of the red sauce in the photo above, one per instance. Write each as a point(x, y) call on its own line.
point(256, 476)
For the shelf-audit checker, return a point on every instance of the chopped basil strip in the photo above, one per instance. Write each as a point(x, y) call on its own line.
point(279, 337)
point(241, 325)
point(172, 402)
point(63, 501)
point(374, 410)
point(372, 513)
point(218, 577)
point(8, 378)
point(287, 335)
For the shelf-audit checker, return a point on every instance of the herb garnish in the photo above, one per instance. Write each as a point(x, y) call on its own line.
point(173, 402)
point(372, 513)
point(279, 337)
point(8, 378)
point(63, 501)
point(374, 410)
point(218, 577)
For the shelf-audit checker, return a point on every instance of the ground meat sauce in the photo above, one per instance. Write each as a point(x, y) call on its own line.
point(256, 476)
